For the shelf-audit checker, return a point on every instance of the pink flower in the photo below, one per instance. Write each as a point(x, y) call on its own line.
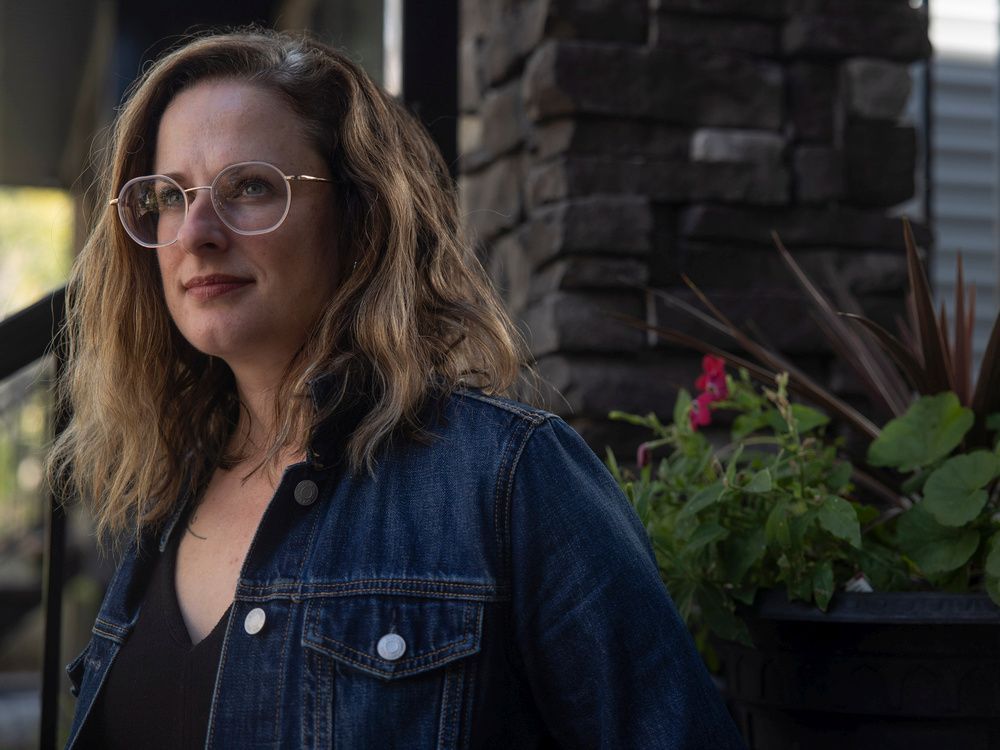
point(712, 380)
point(713, 365)
point(700, 414)
point(642, 457)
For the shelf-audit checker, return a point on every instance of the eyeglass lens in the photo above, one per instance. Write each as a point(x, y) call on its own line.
point(250, 198)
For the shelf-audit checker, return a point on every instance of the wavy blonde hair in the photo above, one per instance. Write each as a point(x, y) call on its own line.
point(151, 415)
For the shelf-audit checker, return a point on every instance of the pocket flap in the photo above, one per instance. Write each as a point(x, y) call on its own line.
point(393, 636)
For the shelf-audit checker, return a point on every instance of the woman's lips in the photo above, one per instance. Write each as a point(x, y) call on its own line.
point(209, 287)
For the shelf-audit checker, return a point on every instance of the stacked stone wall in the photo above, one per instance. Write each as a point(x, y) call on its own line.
point(608, 146)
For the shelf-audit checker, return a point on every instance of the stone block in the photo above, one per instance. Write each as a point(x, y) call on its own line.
point(806, 226)
point(589, 273)
point(880, 159)
point(732, 145)
point(583, 322)
point(503, 122)
point(474, 18)
point(705, 32)
point(594, 386)
point(779, 314)
point(661, 181)
point(812, 94)
point(606, 20)
point(609, 137)
point(595, 225)
point(510, 269)
point(767, 9)
point(890, 30)
point(491, 199)
point(470, 74)
point(818, 174)
point(514, 32)
point(875, 89)
point(727, 266)
point(684, 87)
point(471, 155)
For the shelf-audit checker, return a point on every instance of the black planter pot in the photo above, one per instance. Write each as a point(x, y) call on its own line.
point(912, 671)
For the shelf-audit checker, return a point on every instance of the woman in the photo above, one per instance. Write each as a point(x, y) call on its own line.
point(285, 368)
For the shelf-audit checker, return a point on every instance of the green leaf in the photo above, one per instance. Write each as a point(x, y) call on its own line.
point(705, 497)
point(706, 534)
point(993, 422)
point(733, 464)
point(954, 493)
point(759, 482)
point(929, 430)
point(993, 558)
point(741, 551)
point(933, 547)
point(915, 483)
point(718, 613)
point(884, 567)
point(866, 513)
point(776, 527)
point(823, 584)
point(746, 424)
point(993, 589)
point(838, 517)
point(681, 407)
point(808, 419)
point(840, 476)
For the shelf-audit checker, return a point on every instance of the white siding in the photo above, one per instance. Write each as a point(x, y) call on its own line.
point(965, 140)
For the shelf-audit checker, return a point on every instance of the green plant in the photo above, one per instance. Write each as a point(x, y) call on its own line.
point(775, 506)
point(770, 507)
point(951, 533)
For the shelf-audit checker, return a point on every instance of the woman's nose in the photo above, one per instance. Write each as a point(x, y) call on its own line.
point(202, 228)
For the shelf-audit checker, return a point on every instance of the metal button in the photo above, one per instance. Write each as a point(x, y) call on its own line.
point(306, 492)
point(391, 646)
point(254, 621)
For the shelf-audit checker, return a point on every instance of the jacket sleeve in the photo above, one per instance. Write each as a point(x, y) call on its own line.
point(608, 660)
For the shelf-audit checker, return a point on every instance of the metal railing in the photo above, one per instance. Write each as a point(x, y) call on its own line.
point(26, 337)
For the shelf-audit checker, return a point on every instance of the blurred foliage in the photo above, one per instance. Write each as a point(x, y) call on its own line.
point(36, 235)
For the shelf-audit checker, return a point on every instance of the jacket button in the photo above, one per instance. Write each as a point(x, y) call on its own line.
point(254, 621)
point(306, 492)
point(391, 646)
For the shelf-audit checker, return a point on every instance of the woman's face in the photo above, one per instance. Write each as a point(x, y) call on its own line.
point(246, 299)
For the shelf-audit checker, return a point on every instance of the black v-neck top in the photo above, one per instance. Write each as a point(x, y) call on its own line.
point(159, 689)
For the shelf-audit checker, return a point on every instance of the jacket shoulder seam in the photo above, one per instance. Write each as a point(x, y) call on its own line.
point(528, 413)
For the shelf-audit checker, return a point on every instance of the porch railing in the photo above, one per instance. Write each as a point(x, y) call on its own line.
point(26, 337)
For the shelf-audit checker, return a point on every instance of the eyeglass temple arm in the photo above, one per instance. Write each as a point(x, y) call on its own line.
point(306, 177)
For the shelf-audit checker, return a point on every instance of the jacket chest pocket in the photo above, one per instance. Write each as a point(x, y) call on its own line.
point(388, 671)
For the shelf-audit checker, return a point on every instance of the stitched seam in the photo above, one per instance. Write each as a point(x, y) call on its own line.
point(218, 674)
point(415, 581)
point(450, 699)
point(535, 416)
point(422, 658)
point(498, 503)
point(280, 685)
point(382, 673)
point(507, 502)
point(472, 671)
point(104, 677)
point(298, 598)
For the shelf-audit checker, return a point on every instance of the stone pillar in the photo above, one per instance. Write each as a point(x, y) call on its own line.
point(611, 145)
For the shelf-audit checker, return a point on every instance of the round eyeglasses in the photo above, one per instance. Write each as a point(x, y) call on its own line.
point(251, 197)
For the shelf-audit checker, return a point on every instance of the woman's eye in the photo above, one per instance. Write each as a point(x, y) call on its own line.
point(253, 189)
point(170, 198)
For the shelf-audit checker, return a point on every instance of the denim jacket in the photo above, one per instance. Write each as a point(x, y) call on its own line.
point(489, 587)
